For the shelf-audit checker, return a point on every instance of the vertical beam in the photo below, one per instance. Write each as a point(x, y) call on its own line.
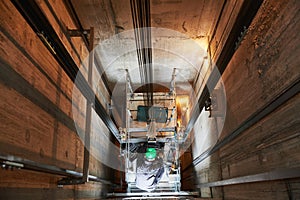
point(172, 84)
point(88, 118)
point(129, 82)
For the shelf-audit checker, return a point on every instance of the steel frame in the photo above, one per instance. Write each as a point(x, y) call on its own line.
point(127, 139)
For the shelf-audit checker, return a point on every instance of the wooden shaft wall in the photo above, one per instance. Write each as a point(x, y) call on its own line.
point(265, 64)
point(36, 108)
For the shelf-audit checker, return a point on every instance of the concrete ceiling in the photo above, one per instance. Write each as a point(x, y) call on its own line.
point(180, 33)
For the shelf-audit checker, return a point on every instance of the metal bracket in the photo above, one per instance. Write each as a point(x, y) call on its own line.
point(152, 140)
point(11, 165)
point(214, 104)
point(208, 106)
point(241, 37)
point(77, 32)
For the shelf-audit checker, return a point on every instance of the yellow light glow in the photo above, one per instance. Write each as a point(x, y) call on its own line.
point(182, 103)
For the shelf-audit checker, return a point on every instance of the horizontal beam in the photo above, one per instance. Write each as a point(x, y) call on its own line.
point(141, 130)
point(144, 139)
point(152, 194)
point(77, 33)
point(21, 163)
point(267, 176)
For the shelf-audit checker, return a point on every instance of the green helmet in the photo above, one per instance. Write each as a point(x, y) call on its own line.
point(150, 153)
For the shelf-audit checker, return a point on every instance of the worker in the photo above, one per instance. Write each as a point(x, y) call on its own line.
point(150, 167)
